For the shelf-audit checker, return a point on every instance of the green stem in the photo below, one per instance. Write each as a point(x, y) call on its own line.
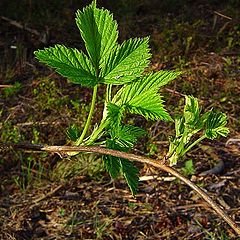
point(193, 144)
point(97, 132)
point(88, 122)
point(109, 93)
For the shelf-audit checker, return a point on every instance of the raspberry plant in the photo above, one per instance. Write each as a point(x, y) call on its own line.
point(121, 66)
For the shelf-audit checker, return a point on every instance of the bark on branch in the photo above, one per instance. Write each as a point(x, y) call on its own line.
point(132, 157)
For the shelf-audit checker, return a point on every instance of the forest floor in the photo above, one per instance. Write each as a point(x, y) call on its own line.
point(45, 197)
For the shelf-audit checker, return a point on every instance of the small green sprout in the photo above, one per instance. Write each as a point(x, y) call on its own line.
point(211, 124)
point(188, 168)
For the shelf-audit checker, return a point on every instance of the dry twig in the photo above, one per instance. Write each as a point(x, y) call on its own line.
point(6, 86)
point(42, 37)
point(222, 15)
point(19, 25)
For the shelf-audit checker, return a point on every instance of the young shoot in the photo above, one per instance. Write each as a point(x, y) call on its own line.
point(211, 124)
point(121, 66)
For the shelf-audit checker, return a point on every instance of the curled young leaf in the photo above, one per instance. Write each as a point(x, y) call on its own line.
point(191, 111)
point(215, 124)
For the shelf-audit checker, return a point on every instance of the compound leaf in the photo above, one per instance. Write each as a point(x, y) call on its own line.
point(126, 62)
point(153, 108)
point(70, 63)
point(99, 32)
point(124, 135)
point(179, 126)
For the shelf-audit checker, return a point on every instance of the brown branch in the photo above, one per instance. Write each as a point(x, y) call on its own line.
point(42, 36)
point(222, 15)
point(21, 26)
point(174, 92)
point(156, 163)
point(6, 86)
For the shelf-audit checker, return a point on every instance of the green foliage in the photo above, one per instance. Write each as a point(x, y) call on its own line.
point(70, 63)
point(31, 172)
point(188, 168)
point(191, 112)
point(99, 32)
point(126, 62)
point(141, 96)
point(73, 132)
point(114, 113)
point(215, 124)
point(212, 124)
point(115, 165)
point(36, 135)
point(10, 133)
point(112, 164)
point(48, 96)
point(126, 136)
point(86, 164)
point(130, 172)
point(108, 62)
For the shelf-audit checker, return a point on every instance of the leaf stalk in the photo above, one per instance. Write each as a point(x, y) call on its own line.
point(193, 144)
point(88, 122)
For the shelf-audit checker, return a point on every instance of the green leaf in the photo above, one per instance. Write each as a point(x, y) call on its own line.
point(73, 132)
point(130, 172)
point(188, 168)
point(114, 113)
point(99, 32)
point(215, 124)
point(191, 111)
point(127, 62)
point(126, 136)
point(151, 108)
point(111, 163)
point(142, 96)
point(179, 126)
point(70, 63)
point(135, 132)
point(115, 165)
